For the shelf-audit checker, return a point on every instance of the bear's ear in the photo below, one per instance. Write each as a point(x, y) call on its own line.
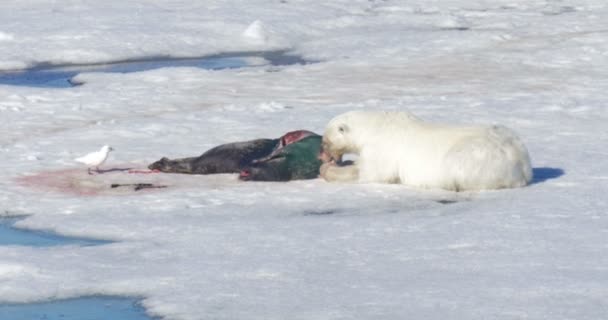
point(343, 128)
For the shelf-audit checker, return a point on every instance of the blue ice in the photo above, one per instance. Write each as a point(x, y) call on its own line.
point(9, 235)
point(84, 308)
point(58, 76)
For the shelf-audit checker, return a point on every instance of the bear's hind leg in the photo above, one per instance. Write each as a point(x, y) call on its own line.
point(332, 173)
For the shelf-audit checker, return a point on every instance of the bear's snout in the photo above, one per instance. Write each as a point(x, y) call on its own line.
point(324, 156)
point(327, 156)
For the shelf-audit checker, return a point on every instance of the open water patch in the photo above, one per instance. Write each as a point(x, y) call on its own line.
point(9, 235)
point(84, 308)
point(47, 75)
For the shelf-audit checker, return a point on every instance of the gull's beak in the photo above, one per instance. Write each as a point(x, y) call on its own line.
point(111, 149)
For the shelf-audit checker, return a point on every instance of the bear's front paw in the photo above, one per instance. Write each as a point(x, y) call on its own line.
point(324, 168)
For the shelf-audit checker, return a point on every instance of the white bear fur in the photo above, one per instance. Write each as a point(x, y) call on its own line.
point(397, 147)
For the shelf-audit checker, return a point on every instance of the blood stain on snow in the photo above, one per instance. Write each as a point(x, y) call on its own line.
point(76, 181)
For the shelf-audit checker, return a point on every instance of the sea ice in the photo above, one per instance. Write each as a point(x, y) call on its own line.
point(212, 247)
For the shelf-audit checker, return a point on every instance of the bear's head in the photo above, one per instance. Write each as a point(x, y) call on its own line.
point(339, 138)
point(352, 131)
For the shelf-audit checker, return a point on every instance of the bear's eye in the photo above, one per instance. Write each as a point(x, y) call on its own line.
point(342, 129)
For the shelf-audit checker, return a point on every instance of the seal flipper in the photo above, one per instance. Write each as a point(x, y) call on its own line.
point(274, 169)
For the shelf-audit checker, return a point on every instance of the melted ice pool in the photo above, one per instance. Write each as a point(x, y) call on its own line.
point(86, 308)
point(58, 76)
point(9, 235)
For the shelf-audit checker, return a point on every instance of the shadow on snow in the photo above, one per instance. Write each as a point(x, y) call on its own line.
point(543, 174)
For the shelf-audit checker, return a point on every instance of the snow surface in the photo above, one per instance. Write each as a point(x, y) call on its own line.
point(212, 247)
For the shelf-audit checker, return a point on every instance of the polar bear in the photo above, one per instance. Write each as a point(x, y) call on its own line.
point(397, 147)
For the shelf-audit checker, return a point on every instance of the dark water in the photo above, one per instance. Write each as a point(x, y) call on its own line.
point(86, 308)
point(13, 236)
point(58, 76)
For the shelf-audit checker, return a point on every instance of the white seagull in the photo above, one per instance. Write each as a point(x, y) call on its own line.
point(95, 159)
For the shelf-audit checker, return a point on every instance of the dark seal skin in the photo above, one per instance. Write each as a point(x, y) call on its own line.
point(230, 157)
point(225, 158)
point(296, 161)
